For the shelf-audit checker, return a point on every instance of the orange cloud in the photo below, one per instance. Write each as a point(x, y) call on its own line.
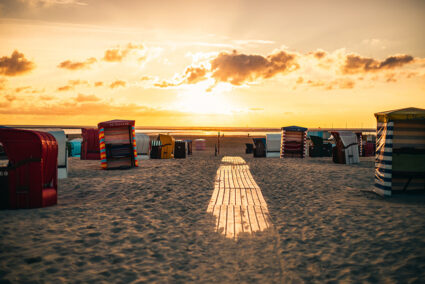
point(118, 54)
point(238, 68)
point(10, 98)
point(15, 65)
point(117, 83)
point(98, 84)
point(71, 85)
point(86, 98)
point(18, 90)
point(194, 75)
point(65, 88)
point(340, 83)
point(358, 64)
point(77, 65)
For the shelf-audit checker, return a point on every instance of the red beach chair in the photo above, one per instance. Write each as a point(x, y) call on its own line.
point(30, 178)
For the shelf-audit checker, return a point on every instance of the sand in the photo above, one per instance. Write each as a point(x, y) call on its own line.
point(150, 224)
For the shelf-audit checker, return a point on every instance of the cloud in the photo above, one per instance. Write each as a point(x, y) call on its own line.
point(117, 83)
point(118, 54)
point(165, 84)
point(194, 75)
point(10, 98)
point(15, 65)
point(238, 68)
point(2, 83)
point(47, 3)
point(98, 84)
point(46, 98)
point(65, 88)
point(77, 65)
point(339, 83)
point(18, 90)
point(358, 64)
point(256, 109)
point(86, 98)
point(71, 85)
point(319, 54)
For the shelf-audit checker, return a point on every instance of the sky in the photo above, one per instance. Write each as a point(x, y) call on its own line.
point(210, 63)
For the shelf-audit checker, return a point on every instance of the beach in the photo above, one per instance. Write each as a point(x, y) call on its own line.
point(150, 224)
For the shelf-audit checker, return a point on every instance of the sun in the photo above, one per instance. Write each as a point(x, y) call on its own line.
point(195, 99)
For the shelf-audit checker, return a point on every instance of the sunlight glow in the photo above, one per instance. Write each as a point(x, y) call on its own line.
point(196, 99)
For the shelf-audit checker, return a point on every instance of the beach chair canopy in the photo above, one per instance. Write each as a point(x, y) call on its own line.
point(167, 146)
point(200, 144)
point(346, 150)
point(322, 134)
point(273, 145)
point(400, 151)
point(117, 142)
point(142, 144)
point(62, 153)
point(293, 142)
point(74, 147)
point(30, 178)
point(90, 144)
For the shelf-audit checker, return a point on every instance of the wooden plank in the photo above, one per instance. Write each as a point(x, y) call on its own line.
point(216, 213)
point(249, 196)
point(238, 220)
point(255, 197)
point(221, 191)
point(238, 196)
point(262, 224)
point(227, 187)
point(266, 216)
point(232, 200)
point(223, 219)
point(261, 197)
point(244, 199)
point(230, 230)
point(246, 225)
point(253, 219)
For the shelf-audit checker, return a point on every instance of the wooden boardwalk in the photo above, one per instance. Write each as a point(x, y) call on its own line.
point(237, 201)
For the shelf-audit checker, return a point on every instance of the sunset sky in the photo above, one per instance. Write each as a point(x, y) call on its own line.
point(210, 63)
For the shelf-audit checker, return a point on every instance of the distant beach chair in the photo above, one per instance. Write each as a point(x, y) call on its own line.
point(200, 144)
point(142, 145)
point(273, 145)
point(293, 143)
point(319, 148)
point(167, 146)
point(180, 149)
point(249, 148)
point(259, 147)
point(117, 140)
point(74, 147)
point(29, 179)
point(155, 152)
point(400, 151)
point(62, 153)
point(346, 150)
point(90, 145)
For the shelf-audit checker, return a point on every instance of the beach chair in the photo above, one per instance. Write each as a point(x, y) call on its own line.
point(180, 149)
point(28, 174)
point(249, 148)
point(259, 147)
